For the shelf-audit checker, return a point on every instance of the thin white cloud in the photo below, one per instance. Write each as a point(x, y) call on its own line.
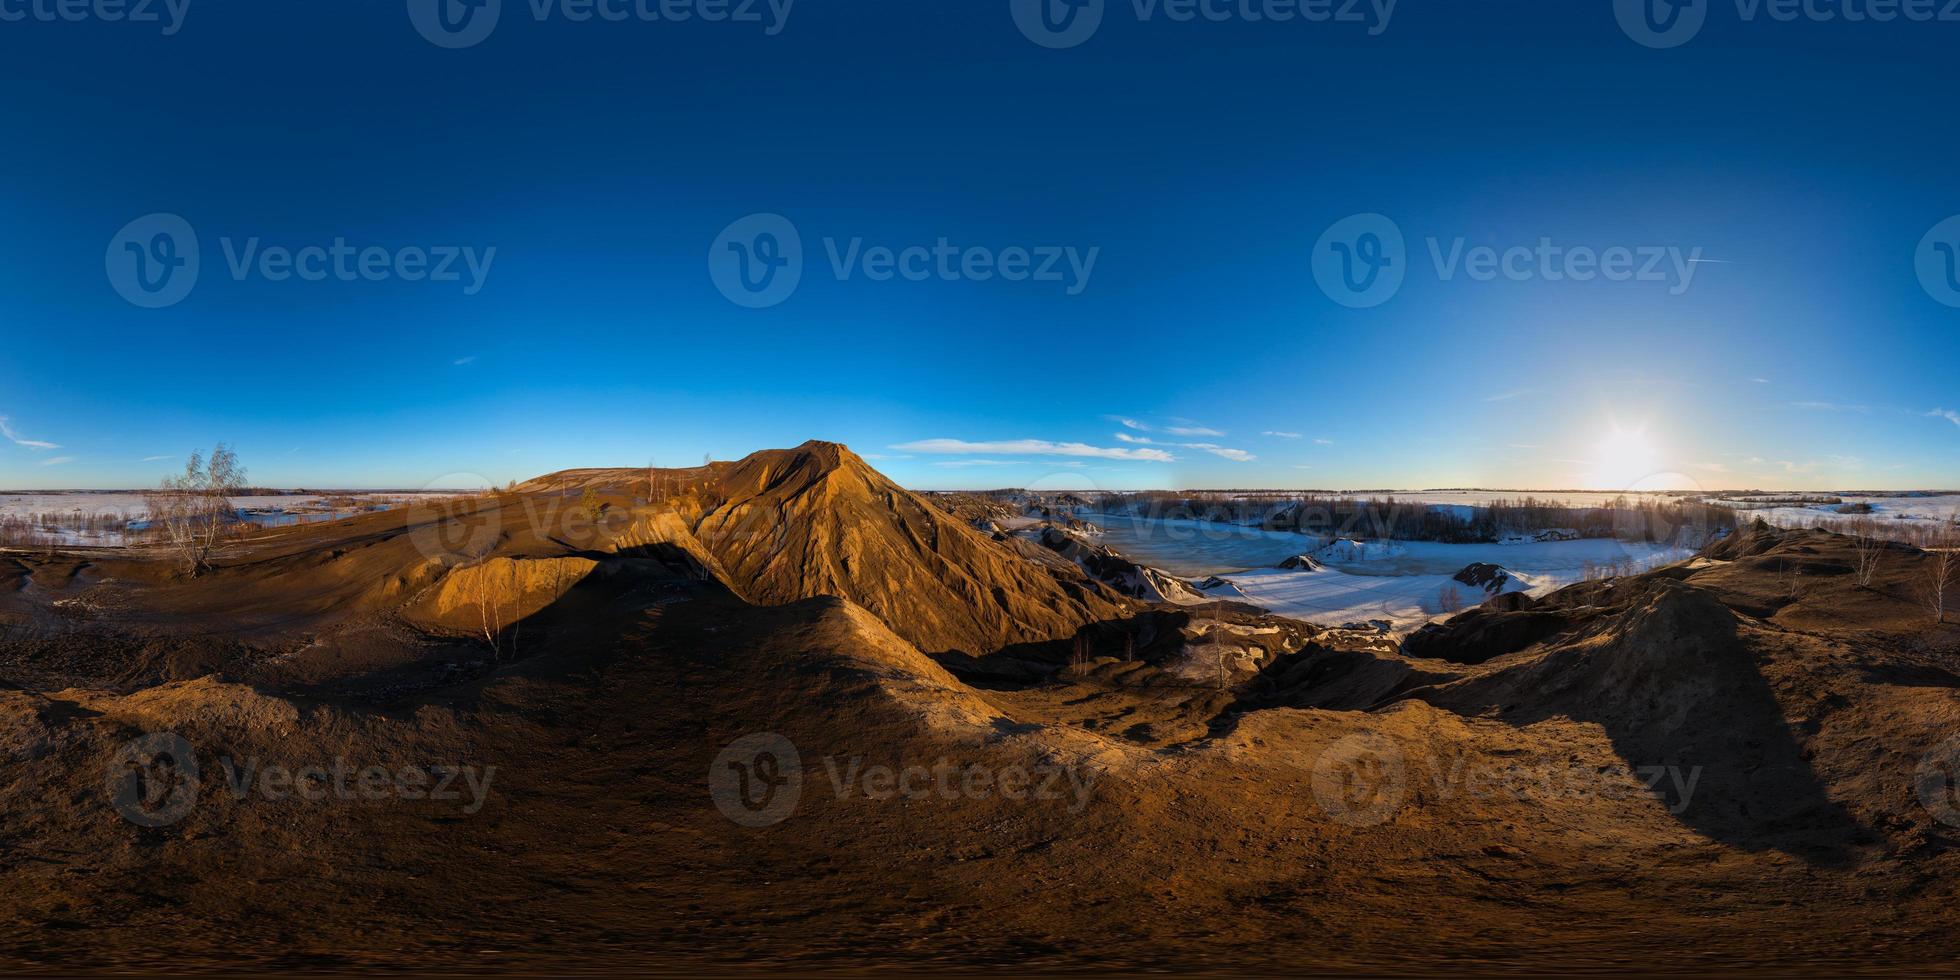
point(459, 362)
point(1280, 435)
point(1507, 395)
point(1032, 447)
point(1183, 427)
point(1236, 455)
point(983, 462)
point(57, 460)
point(1324, 442)
point(1831, 407)
point(1760, 381)
point(156, 459)
point(883, 456)
point(16, 438)
point(1945, 413)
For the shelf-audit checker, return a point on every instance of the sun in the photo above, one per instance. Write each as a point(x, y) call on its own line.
point(1624, 458)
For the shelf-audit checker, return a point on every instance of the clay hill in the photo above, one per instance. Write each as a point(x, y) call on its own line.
point(816, 520)
point(780, 713)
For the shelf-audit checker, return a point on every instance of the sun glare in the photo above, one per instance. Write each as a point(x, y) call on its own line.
point(1624, 458)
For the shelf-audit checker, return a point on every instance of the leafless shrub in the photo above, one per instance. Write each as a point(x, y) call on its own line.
point(1789, 581)
point(193, 510)
point(1450, 600)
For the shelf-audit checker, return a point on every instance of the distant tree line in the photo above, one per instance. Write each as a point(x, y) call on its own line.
point(1664, 520)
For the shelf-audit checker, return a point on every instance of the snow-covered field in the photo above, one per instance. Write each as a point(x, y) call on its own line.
point(1402, 582)
point(1918, 510)
point(76, 517)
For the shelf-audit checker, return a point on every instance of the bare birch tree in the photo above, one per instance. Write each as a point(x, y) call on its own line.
point(1942, 567)
point(1870, 549)
point(193, 510)
point(490, 593)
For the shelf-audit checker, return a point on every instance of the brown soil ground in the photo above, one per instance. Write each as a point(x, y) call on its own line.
point(1730, 763)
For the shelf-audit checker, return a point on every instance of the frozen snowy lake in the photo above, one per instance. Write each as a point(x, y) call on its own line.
point(1404, 585)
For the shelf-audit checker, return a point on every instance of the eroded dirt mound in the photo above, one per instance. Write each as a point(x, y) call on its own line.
point(784, 525)
point(1693, 670)
point(499, 590)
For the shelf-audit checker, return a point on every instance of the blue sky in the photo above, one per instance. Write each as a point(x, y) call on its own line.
point(1180, 174)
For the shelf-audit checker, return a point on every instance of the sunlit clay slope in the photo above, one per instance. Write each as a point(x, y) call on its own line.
point(790, 524)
